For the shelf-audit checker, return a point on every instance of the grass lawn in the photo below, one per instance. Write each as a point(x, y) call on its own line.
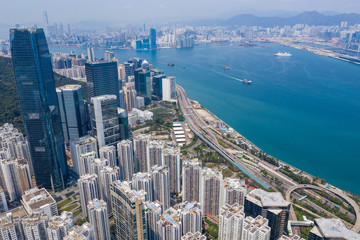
point(71, 207)
point(77, 212)
point(63, 203)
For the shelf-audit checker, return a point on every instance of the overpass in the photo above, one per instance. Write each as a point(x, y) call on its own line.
point(350, 201)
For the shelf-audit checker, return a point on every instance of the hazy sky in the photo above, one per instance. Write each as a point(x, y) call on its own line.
point(135, 11)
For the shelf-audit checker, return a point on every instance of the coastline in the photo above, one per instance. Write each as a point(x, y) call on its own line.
point(318, 51)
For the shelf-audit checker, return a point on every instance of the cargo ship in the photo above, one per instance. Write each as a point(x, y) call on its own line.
point(171, 64)
point(226, 67)
point(245, 81)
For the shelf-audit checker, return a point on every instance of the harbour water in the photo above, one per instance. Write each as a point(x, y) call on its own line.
point(303, 109)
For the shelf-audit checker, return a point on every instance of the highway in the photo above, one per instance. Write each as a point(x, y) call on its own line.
point(350, 201)
point(210, 135)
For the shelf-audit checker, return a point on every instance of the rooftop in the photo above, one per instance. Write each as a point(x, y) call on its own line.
point(36, 198)
point(333, 229)
point(269, 199)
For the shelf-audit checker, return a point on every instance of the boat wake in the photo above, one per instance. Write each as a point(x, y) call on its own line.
point(237, 79)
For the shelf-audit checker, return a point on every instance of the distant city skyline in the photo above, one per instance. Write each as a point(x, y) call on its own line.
point(159, 11)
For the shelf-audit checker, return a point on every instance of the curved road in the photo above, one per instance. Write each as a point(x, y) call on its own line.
point(350, 201)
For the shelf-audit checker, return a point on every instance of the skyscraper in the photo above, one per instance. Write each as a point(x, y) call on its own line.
point(157, 86)
point(270, 205)
point(143, 84)
point(191, 217)
point(88, 190)
point(141, 152)
point(126, 159)
point(155, 150)
point(153, 211)
point(39, 106)
point(85, 161)
point(143, 181)
point(99, 218)
point(211, 191)
point(72, 110)
point(109, 153)
point(102, 79)
point(59, 226)
point(3, 203)
point(81, 146)
point(107, 176)
point(153, 38)
point(234, 191)
point(256, 228)
point(231, 222)
point(125, 131)
point(171, 158)
point(34, 226)
point(96, 166)
point(169, 228)
point(129, 211)
point(161, 184)
point(191, 179)
point(91, 55)
point(105, 120)
point(168, 88)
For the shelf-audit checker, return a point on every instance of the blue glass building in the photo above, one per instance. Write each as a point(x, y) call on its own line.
point(39, 106)
point(153, 38)
point(143, 84)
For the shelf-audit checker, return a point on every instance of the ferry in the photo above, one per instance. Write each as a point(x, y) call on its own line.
point(226, 67)
point(283, 54)
point(245, 81)
point(171, 64)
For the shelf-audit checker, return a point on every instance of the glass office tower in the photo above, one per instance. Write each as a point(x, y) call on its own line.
point(39, 106)
point(102, 79)
point(143, 84)
point(152, 38)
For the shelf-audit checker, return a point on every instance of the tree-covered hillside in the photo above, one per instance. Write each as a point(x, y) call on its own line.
point(9, 104)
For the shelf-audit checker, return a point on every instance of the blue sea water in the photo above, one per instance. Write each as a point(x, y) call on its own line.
point(304, 109)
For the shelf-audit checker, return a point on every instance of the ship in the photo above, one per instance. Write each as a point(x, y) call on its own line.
point(283, 54)
point(247, 81)
point(171, 64)
point(226, 67)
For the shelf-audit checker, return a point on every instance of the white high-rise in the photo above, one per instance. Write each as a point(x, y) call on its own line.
point(191, 217)
point(107, 176)
point(99, 218)
point(126, 159)
point(161, 185)
point(256, 228)
point(97, 165)
point(143, 181)
point(88, 190)
point(59, 226)
point(211, 190)
point(10, 227)
point(169, 228)
point(141, 152)
point(234, 191)
point(171, 158)
point(109, 153)
point(81, 146)
point(85, 161)
point(39, 201)
point(191, 179)
point(83, 232)
point(193, 236)
point(231, 222)
point(153, 211)
point(34, 226)
point(168, 88)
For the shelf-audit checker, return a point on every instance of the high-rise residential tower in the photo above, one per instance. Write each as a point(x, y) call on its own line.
point(99, 218)
point(211, 191)
point(126, 159)
point(39, 106)
point(109, 153)
point(141, 152)
point(191, 217)
point(231, 222)
point(161, 184)
point(171, 158)
point(88, 190)
point(81, 146)
point(191, 179)
point(234, 191)
point(128, 211)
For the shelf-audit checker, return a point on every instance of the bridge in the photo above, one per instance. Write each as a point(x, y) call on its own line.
point(350, 201)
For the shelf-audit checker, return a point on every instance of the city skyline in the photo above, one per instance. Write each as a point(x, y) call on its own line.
point(112, 11)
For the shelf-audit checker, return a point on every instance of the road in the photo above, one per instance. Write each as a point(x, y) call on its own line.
point(350, 201)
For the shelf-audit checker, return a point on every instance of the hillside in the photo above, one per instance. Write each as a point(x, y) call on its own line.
point(310, 18)
point(9, 104)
